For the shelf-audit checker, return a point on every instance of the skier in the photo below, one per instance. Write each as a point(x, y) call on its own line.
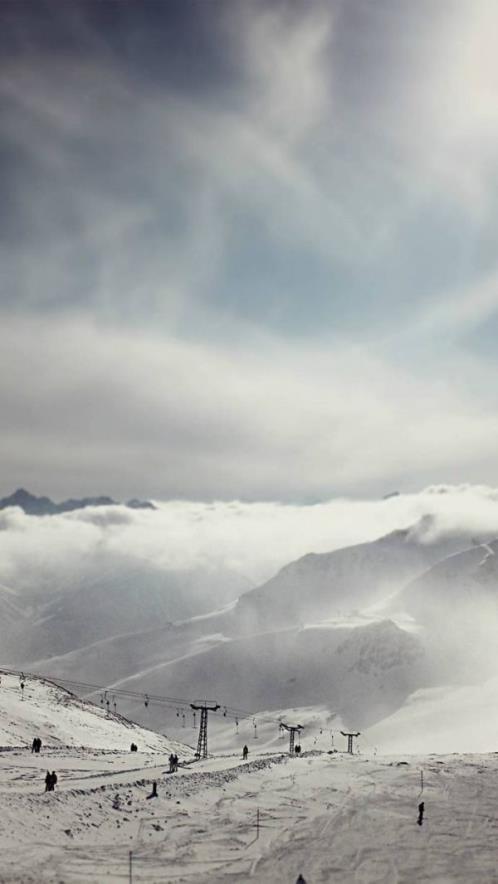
point(48, 780)
point(300, 880)
point(245, 753)
point(171, 763)
point(53, 781)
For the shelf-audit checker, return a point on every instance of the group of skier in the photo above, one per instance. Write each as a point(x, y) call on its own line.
point(173, 763)
point(36, 745)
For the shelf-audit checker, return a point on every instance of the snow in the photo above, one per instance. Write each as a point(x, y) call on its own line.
point(333, 818)
point(60, 719)
point(443, 719)
point(325, 814)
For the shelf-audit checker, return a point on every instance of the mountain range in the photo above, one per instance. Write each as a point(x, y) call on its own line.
point(358, 629)
point(44, 506)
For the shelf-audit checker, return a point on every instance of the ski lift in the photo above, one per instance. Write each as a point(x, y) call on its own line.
point(193, 723)
point(225, 712)
point(255, 729)
point(146, 701)
point(236, 725)
point(183, 719)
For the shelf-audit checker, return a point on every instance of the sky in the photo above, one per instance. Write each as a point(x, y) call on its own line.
point(248, 249)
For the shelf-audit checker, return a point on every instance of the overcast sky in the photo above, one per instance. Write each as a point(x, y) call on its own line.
point(248, 249)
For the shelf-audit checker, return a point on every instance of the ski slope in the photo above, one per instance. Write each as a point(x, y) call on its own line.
point(333, 818)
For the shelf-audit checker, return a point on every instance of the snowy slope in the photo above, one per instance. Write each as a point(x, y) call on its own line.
point(455, 604)
point(460, 579)
point(107, 595)
point(334, 818)
point(360, 673)
point(59, 718)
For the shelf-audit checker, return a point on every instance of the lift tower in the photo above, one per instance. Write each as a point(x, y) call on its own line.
point(350, 737)
point(203, 708)
point(293, 730)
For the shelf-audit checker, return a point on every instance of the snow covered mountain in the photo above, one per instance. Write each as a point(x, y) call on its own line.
point(319, 632)
point(459, 580)
point(113, 595)
point(318, 586)
point(455, 604)
point(361, 673)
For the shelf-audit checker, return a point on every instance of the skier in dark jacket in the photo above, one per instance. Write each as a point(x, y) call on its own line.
point(245, 753)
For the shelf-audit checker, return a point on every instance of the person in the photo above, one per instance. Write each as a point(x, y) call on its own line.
point(175, 762)
point(48, 780)
point(421, 809)
point(300, 880)
point(171, 763)
point(34, 745)
point(153, 794)
point(53, 781)
point(245, 753)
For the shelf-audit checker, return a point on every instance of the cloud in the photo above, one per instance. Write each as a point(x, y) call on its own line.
point(251, 539)
point(105, 411)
